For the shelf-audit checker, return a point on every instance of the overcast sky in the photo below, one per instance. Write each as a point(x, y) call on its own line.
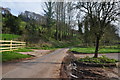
point(18, 7)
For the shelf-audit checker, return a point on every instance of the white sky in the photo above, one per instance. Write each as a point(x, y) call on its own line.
point(18, 7)
point(58, 0)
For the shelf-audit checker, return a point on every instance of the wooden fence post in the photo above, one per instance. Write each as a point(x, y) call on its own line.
point(11, 45)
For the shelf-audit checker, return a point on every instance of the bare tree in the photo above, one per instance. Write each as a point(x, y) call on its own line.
point(100, 14)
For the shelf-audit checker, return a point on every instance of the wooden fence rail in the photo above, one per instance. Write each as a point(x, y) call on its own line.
point(6, 45)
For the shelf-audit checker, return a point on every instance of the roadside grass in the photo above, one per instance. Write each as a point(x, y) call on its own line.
point(11, 55)
point(92, 50)
point(100, 60)
point(14, 55)
point(9, 36)
point(23, 50)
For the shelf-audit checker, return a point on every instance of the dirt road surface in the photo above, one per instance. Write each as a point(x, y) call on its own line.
point(47, 66)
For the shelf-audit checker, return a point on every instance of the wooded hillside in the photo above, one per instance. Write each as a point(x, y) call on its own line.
point(65, 23)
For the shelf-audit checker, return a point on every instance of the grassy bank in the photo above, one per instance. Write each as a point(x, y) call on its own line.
point(52, 44)
point(9, 36)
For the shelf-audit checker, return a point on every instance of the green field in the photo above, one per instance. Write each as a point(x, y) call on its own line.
point(9, 36)
point(92, 50)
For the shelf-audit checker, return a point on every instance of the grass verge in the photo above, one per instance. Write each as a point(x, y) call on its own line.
point(11, 55)
point(23, 50)
point(92, 50)
point(14, 55)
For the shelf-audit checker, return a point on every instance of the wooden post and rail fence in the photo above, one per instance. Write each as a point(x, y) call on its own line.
point(10, 45)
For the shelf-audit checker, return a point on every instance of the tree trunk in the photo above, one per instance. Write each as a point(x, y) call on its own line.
point(97, 47)
point(56, 34)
